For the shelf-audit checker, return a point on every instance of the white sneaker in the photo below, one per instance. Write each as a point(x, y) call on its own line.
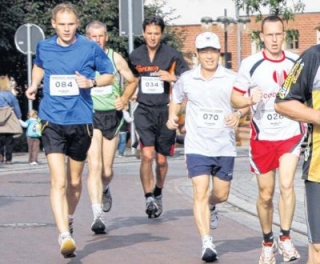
point(267, 254)
point(67, 246)
point(287, 249)
point(209, 252)
point(214, 218)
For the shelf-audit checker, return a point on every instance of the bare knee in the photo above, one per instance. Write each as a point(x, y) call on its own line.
point(286, 188)
point(314, 254)
point(265, 198)
point(220, 197)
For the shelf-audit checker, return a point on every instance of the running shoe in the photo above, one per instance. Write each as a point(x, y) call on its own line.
point(214, 218)
point(158, 201)
point(67, 246)
point(151, 207)
point(209, 252)
point(267, 253)
point(106, 200)
point(98, 226)
point(287, 249)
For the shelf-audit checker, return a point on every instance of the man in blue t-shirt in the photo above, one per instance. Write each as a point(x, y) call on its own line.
point(67, 62)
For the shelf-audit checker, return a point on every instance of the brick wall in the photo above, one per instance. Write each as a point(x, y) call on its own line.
point(305, 23)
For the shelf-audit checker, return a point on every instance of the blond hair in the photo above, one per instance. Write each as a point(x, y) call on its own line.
point(33, 114)
point(5, 84)
point(64, 7)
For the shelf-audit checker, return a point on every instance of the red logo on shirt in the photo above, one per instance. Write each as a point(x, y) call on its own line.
point(279, 77)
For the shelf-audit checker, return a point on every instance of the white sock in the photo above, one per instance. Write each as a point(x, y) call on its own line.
point(64, 234)
point(97, 210)
point(206, 238)
point(70, 218)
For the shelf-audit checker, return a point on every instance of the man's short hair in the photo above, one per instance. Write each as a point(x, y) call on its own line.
point(65, 7)
point(96, 24)
point(155, 20)
point(271, 19)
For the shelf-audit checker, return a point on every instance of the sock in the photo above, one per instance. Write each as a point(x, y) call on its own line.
point(64, 234)
point(147, 195)
point(96, 210)
point(284, 233)
point(157, 191)
point(70, 218)
point(205, 238)
point(268, 238)
point(212, 207)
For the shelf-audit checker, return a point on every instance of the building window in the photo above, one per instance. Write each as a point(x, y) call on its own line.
point(292, 39)
point(256, 43)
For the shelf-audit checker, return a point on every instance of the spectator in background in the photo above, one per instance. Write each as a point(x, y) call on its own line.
point(7, 98)
point(124, 129)
point(33, 136)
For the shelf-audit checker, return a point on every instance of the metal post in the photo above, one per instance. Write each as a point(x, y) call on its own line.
point(239, 39)
point(225, 38)
point(130, 42)
point(29, 58)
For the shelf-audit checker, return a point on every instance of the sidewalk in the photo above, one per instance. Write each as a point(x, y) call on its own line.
point(30, 235)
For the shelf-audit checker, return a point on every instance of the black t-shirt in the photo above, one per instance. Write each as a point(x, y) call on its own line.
point(152, 91)
point(303, 84)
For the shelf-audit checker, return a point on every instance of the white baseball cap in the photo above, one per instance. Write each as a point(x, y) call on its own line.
point(207, 40)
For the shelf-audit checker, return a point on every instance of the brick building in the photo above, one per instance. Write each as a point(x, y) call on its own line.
point(307, 24)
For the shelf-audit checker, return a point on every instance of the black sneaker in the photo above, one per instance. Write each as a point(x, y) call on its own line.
point(209, 253)
point(98, 226)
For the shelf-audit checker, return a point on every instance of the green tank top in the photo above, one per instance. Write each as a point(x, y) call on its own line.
point(103, 97)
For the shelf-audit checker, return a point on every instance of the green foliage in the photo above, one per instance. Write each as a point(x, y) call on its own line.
point(284, 8)
point(18, 12)
point(276, 7)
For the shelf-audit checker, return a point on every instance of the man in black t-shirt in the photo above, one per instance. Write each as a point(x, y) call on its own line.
point(157, 65)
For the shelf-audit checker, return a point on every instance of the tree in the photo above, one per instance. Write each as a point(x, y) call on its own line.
point(276, 7)
point(15, 13)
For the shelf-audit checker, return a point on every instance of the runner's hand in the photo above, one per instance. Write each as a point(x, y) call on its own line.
point(119, 103)
point(232, 120)
point(256, 96)
point(172, 123)
point(31, 93)
point(82, 81)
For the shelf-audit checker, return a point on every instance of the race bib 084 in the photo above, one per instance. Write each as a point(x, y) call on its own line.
point(63, 85)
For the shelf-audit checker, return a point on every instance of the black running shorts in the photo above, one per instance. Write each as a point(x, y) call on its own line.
point(150, 123)
point(72, 140)
point(108, 122)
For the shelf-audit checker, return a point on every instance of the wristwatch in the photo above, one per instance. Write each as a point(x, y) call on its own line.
point(239, 113)
point(94, 82)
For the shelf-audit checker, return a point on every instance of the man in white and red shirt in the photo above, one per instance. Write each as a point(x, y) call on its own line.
point(274, 140)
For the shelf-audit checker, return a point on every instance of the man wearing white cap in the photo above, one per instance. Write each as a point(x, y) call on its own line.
point(210, 145)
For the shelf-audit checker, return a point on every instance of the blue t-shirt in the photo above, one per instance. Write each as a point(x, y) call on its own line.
point(84, 56)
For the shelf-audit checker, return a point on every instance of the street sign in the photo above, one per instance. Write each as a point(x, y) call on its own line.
point(135, 12)
point(27, 37)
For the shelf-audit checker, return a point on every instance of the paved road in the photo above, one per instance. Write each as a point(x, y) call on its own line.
point(28, 233)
